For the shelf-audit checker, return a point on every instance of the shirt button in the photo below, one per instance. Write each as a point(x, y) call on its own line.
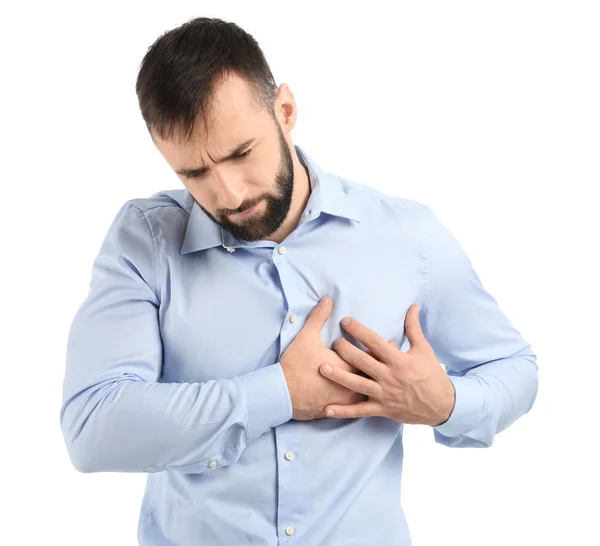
point(293, 317)
point(212, 464)
point(281, 250)
point(289, 455)
point(231, 250)
point(289, 531)
point(268, 430)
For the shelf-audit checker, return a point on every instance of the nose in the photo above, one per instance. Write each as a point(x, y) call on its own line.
point(230, 192)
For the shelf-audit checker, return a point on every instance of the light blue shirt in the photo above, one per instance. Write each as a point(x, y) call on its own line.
point(172, 365)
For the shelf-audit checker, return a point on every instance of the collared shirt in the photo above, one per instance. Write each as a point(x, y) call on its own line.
point(173, 365)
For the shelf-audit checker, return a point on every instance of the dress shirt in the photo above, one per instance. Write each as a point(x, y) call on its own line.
point(173, 365)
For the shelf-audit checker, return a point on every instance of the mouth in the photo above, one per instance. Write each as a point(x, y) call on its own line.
point(246, 213)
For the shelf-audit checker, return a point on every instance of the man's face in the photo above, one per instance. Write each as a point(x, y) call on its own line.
point(262, 178)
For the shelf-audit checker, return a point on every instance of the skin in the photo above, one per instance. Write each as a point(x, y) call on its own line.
point(271, 175)
point(408, 387)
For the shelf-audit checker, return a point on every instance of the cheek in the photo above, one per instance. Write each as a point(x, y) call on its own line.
point(202, 195)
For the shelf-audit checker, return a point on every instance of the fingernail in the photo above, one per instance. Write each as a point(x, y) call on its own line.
point(327, 369)
point(330, 413)
point(346, 321)
point(324, 300)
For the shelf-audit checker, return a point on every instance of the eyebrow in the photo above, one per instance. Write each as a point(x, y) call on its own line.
point(199, 171)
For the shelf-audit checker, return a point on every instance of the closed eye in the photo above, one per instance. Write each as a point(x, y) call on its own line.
point(243, 154)
point(199, 173)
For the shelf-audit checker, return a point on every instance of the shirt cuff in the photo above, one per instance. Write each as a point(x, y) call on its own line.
point(268, 400)
point(469, 407)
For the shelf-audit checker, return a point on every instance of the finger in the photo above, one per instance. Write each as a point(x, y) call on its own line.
point(319, 315)
point(362, 409)
point(359, 359)
point(351, 381)
point(372, 341)
point(413, 329)
point(391, 342)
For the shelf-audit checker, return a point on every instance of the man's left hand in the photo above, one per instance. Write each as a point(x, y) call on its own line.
point(408, 387)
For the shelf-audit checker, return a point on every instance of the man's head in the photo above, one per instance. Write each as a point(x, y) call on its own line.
point(213, 110)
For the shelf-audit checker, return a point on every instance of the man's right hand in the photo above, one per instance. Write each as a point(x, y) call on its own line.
point(309, 390)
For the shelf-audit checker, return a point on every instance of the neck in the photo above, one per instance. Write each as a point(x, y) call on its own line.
point(300, 198)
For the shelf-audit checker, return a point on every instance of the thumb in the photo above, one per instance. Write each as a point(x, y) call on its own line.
point(412, 327)
point(319, 315)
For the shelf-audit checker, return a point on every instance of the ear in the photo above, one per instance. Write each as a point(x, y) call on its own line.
point(285, 108)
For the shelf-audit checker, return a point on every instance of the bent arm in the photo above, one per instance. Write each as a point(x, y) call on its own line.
point(115, 414)
point(493, 369)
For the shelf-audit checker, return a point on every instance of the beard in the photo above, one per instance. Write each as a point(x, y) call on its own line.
point(258, 227)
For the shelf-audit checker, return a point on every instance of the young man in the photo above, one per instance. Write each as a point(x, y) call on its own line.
point(201, 355)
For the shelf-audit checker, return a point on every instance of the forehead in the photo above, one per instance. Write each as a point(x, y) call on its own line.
point(234, 116)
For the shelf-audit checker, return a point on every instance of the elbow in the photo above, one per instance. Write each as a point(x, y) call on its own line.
point(81, 461)
point(83, 434)
point(79, 449)
point(528, 369)
point(534, 390)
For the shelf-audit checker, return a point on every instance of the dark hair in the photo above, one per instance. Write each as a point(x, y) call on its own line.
point(180, 71)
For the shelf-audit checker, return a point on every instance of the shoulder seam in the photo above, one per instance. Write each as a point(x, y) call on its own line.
point(380, 194)
point(155, 283)
point(146, 209)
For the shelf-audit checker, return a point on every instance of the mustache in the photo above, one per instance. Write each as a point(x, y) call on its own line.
point(229, 213)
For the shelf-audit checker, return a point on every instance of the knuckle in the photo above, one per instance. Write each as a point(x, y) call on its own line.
point(364, 358)
point(372, 340)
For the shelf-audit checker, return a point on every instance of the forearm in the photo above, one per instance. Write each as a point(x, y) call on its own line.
point(489, 398)
point(491, 365)
point(140, 426)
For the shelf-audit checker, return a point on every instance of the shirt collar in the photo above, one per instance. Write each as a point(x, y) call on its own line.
point(327, 195)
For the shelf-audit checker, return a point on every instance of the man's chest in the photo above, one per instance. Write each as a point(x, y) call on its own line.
point(227, 313)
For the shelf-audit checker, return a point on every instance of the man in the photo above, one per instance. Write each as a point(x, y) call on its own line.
point(201, 355)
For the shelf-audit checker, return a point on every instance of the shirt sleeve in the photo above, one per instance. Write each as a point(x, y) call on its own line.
point(115, 414)
point(493, 369)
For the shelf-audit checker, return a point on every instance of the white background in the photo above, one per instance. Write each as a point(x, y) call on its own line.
point(488, 112)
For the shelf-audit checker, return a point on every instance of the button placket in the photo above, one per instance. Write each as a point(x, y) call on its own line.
point(290, 473)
